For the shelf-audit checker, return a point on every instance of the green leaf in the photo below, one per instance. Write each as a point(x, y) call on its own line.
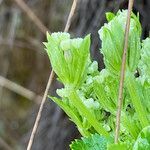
point(57, 57)
point(119, 146)
point(69, 57)
point(143, 140)
point(94, 142)
point(134, 49)
point(112, 36)
point(144, 64)
point(80, 62)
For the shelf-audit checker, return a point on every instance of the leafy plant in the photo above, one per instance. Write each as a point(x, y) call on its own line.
point(89, 96)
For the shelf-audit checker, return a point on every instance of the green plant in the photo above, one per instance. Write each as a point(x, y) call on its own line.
point(89, 96)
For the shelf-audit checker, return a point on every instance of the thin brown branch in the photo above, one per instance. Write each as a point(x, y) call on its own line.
point(30, 44)
point(10, 41)
point(72, 11)
point(19, 90)
point(32, 15)
point(4, 144)
point(122, 75)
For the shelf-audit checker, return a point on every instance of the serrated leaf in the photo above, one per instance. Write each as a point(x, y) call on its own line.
point(94, 142)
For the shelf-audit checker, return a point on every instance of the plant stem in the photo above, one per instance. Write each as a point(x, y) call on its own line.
point(31, 15)
point(122, 76)
point(4, 144)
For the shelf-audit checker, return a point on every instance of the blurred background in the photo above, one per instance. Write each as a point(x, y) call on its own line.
point(24, 65)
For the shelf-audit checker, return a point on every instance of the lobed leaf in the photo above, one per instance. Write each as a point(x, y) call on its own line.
point(94, 142)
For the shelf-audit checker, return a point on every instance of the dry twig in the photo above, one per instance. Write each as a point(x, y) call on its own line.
point(4, 144)
point(10, 40)
point(19, 90)
point(49, 82)
point(122, 76)
point(32, 15)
